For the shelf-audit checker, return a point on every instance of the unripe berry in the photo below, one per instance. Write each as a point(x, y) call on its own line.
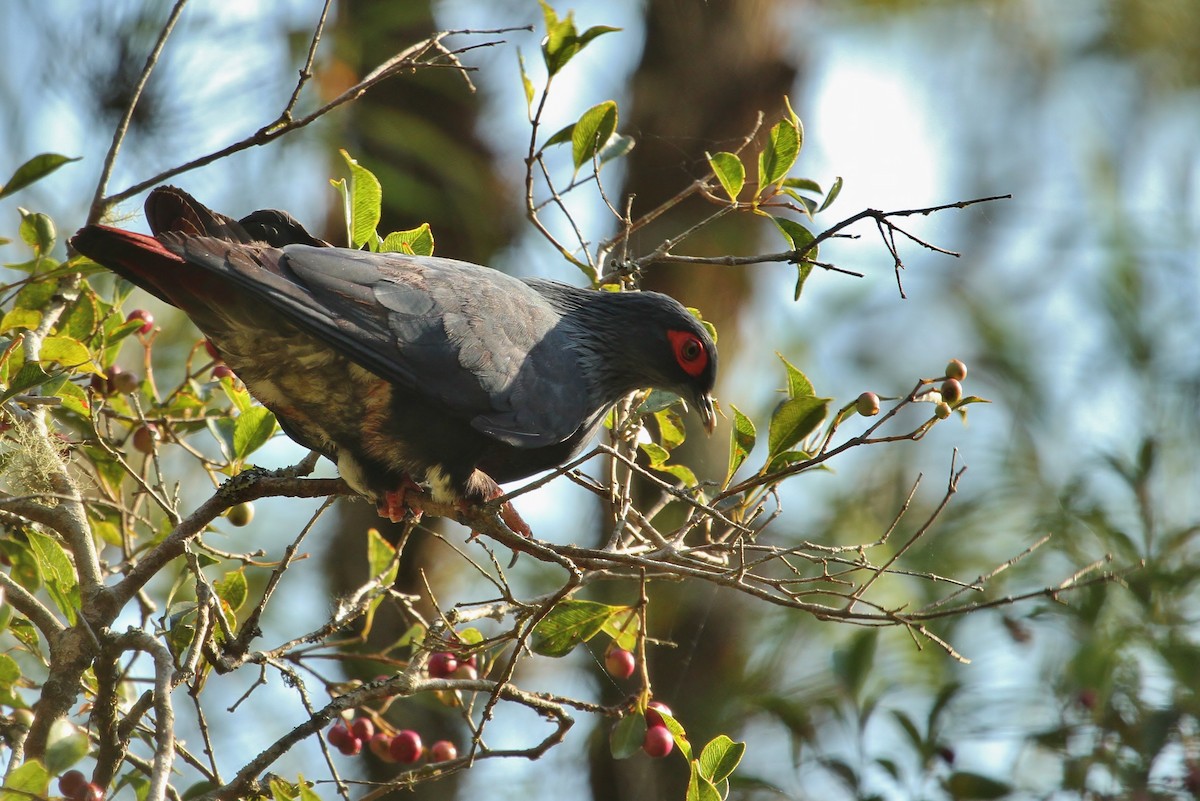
point(442, 751)
point(72, 782)
point(381, 746)
point(956, 370)
point(951, 390)
point(867, 404)
point(362, 728)
point(942, 410)
point(241, 515)
point(145, 437)
point(442, 664)
point(619, 663)
point(406, 747)
point(146, 317)
point(658, 742)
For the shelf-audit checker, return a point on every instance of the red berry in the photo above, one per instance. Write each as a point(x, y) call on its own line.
point(362, 728)
point(442, 751)
point(658, 741)
point(72, 782)
point(223, 371)
point(619, 663)
point(93, 792)
point(653, 719)
point(442, 664)
point(146, 317)
point(352, 747)
point(145, 438)
point(338, 734)
point(381, 746)
point(213, 353)
point(466, 670)
point(406, 747)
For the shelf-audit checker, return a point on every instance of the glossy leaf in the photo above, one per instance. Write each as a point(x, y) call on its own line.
point(626, 737)
point(233, 589)
point(720, 757)
point(729, 171)
point(20, 318)
point(568, 624)
point(251, 430)
point(37, 230)
point(592, 131)
point(34, 170)
point(798, 385)
point(741, 441)
point(793, 420)
point(779, 154)
point(834, 191)
point(70, 353)
point(365, 205)
point(415, 242)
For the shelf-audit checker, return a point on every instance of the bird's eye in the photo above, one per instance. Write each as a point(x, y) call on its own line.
point(689, 352)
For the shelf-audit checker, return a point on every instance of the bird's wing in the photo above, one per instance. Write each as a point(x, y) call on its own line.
point(482, 344)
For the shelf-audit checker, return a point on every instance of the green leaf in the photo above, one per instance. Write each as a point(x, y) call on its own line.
point(20, 318)
point(656, 401)
point(365, 205)
point(659, 458)
point(306, 791)
point(793, 420)
point(10, 674)
point(65, 746)
point(798, 385)
point(616, 147)
point(852, 663)
point(562, 43)
point(381, 556)
point(803, 271)
point(31, 780)
point(834, 191)
point(623, 627)
point(526, 83)
point(741, 441)
point(251, 430)
point(670, 428)
point(677, 731)
point(963, 784)
point(700, 788)
point(233, 589)
point(30, 375)
point(729, 171)
point(802, 184)
point(70, 353)
point(568, 624)
point(779, 154)
point(57, 572)
point(797, 236)
point(592, 131)
point(37, 230)
point(415, 242)
point(283, 790)
point(34, 170)
point(626, 737)
point(720, 758)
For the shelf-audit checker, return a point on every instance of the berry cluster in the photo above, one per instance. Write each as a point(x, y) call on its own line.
point(658, 741)
point(75, 786)
point(447, 665)
point(403, 747)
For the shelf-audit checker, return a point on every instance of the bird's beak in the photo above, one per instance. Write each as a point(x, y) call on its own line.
point(704, 405)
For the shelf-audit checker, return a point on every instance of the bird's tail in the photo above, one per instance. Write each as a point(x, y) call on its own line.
point(136, 257)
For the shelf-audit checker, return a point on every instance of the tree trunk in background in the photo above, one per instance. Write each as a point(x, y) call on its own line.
point(707, 70)
point(417, 134)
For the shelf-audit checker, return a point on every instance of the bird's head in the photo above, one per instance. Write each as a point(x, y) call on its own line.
point(695, 356)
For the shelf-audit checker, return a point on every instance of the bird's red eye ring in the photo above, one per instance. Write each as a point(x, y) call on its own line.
point(689, 352)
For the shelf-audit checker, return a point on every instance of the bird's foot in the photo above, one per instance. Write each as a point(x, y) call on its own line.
point(483, 487)
point(394, 505)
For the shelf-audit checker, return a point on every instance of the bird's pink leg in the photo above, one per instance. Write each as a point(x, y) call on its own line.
point(394, 505)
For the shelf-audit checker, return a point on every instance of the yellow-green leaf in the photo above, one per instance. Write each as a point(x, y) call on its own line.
point(568, 624)
point(20, 318)
point(793, 420)
point(69, 352)
point(251, 430)
point(592, 131)
point(415, 242)
point(779, 154)
point(729, 171)
point(33, 170)
point(365, 203)
point(741, 441)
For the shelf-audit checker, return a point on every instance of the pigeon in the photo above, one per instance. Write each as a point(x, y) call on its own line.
point(409, 371)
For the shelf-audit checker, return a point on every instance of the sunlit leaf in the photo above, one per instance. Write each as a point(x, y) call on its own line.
point(415, 242)
point(798, 385)
point(834, 191)
point(34, 170)
point(365, 204)
point(779, 153)
point(251, 430)
point(741, 441)
point(592, 131)
point(729, 171)
point(568, 624)
point(793, 420)
point(720, 757)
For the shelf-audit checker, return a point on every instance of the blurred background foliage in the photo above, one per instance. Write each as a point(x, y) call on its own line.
point(1074, 305)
